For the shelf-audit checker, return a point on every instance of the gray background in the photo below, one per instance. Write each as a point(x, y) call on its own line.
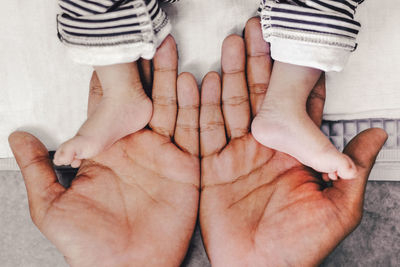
point(376, 242)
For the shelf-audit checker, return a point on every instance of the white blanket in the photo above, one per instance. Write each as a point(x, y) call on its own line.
point(42, 91)
point(45, 93)
point(369, 87)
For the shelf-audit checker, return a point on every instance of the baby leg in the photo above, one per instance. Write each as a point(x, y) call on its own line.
point(283, 123)
point(123, 109)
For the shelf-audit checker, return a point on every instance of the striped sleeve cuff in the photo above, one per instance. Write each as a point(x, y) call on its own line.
point(313, 33)
point(105, 32)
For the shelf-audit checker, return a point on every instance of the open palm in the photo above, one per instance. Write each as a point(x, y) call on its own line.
point(260, 207)
point(136, 203)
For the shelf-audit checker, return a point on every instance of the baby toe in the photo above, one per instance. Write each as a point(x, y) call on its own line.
point(76, 163)
point(347, 168)
point(63, 156)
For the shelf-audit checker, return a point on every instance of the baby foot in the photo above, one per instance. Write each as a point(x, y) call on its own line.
point(113, 118)
point(296, 134)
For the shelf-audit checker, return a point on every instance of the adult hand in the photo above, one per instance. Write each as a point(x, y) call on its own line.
point(136, 203)
point(260, 207)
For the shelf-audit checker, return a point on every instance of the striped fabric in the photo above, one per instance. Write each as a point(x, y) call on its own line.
point(327, 23)
point(108, 24)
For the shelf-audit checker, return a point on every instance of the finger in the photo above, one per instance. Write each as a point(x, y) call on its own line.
point(187, 122)
point(146, 75)
point(95, 93)
point(259, 63)
point(235, 97)
point(363, 150)
point(212, 129)
point(316, 101)
point(164, 88)
point(40, 179)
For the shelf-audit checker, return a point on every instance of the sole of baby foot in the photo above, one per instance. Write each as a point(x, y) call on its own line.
point(299, 137)
point(112, 120)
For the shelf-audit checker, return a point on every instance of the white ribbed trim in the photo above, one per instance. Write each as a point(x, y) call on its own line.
point(100, 56)
point(162, 34)
point(383, 171)
point(309, 55)
point(8, 164)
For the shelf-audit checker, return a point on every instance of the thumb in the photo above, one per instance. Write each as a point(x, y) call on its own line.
point(40, 179)
point(363, 150)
